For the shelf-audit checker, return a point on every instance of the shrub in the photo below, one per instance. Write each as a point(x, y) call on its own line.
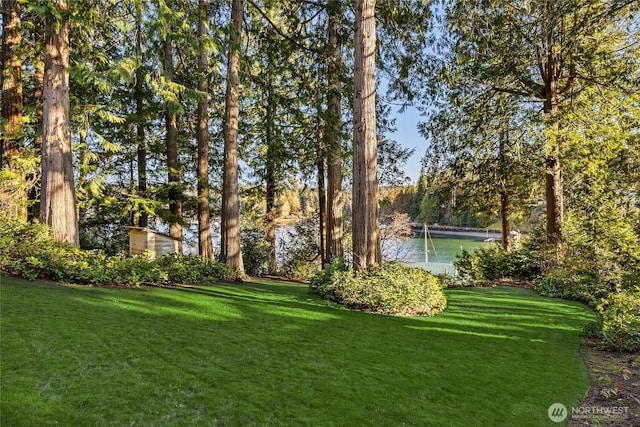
point(322, 281)
point(387, 289)
point(31, 252)
point(583, 286)
point(621, 321)
point(300, 251)
point(618, 325)
point(256, 251)
point(192, 269)
point(493, 263)
point(631, 281)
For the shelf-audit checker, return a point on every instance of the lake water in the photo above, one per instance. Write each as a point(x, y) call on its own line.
point(441, 259)
point(409, 252)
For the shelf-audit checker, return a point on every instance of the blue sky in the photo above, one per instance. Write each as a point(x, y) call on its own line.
point(407, 135)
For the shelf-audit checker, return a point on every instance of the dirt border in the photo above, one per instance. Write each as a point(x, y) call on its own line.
point(613, 399)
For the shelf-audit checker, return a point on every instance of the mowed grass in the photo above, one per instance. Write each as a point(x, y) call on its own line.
point(273, 354)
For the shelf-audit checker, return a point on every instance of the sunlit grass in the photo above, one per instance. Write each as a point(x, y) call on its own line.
point(273, 354)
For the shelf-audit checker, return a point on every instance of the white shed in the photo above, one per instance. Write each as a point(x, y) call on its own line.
point(156, 244)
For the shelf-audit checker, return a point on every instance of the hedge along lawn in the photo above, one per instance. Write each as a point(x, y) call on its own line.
point(273, 354)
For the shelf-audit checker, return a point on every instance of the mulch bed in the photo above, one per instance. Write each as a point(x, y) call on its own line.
point(613, 399)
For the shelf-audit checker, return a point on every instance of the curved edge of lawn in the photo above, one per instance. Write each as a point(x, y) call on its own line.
point(274, 354)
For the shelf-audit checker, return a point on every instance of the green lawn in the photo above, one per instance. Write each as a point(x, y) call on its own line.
point(273, 354)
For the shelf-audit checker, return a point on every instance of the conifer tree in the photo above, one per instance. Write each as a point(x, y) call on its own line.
point(231, 253)
point(366, 232)
point(12, 183)
point(58, 202)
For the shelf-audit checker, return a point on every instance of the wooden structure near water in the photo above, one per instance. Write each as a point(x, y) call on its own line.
point(155, 244)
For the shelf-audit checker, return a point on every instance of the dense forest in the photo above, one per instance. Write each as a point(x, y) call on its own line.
point(195, 117)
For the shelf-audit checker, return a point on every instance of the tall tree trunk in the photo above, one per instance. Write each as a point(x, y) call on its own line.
point(143, 219)
point(82, 150)
point(171, 141)
point(36, 179)
point(205, 245)
point(231, 252)
point(504, 193)
point(58, 209)
point(12, 100)
point(322, 190)
point(504, 219)
point(333, 135)
point(366, 229)
point(553, 177)
point(270, 222)
point(271, 160)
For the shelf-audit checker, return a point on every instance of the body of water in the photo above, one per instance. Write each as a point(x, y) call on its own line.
point(409, 252)
point(441, 253)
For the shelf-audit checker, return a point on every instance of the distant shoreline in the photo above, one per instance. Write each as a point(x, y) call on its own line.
point(451, 231)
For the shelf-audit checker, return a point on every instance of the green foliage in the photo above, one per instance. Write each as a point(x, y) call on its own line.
point(31, 252)
point(621, 321)
point(256, 251)
point(300, 251)
point(387, 289)
point(99, 233)
point(593, 329)
point(582, 286)
point(192, 269)
point(619, 310)
point(493, 263)
point(321, 282)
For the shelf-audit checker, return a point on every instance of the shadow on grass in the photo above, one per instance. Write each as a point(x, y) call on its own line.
point(274, 354)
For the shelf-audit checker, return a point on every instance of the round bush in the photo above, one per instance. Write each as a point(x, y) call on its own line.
point(387, 289)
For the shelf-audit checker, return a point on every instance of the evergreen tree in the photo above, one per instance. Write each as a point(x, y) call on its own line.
point(544, 51)
point(58, 203)
point(366, 231)
point(333, 134)
point(12, 180)
point(230, 236)
point(205, 245)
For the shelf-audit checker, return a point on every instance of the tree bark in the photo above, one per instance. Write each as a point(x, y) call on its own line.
point(270, 222)
point(554, 170)
point(205, 245)
point(11, 81)
point(322, 190)
point(366, 230)
point(171, 141)
point(36, 179)
point(270, 216)
point(553, 176)
point(141, 146)
point(554, 197)
point(231, 252)
point(12, 102)
point(273, 159)
point(504, 193)
point(504, 217)
point(58, 208)
point(333, 135)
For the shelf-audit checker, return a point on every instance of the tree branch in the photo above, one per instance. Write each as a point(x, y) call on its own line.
point(570, 82)
point(510, 91)
point(280, 32)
